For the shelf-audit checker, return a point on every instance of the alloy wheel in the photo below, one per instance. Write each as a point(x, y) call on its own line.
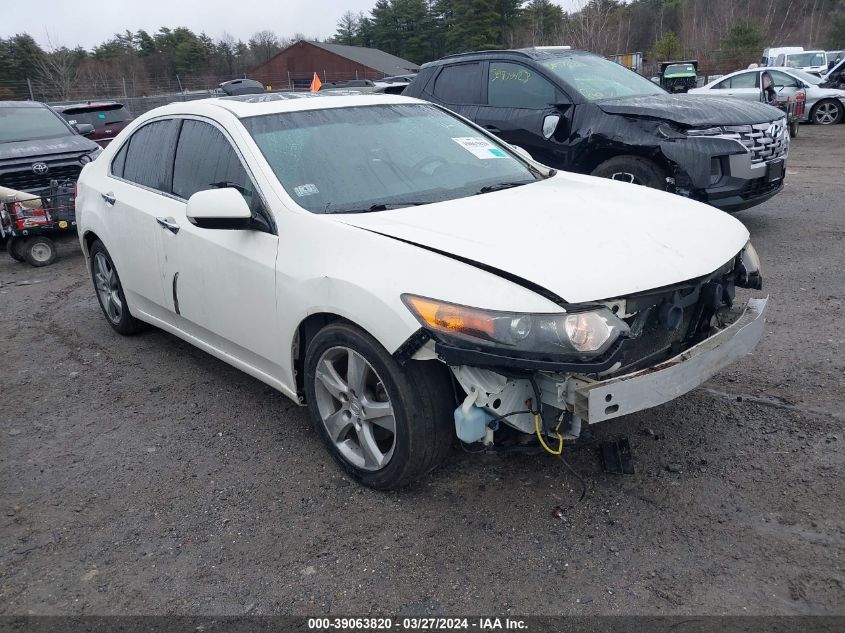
point(108, 288)
point(826, 113)
point(355, 409)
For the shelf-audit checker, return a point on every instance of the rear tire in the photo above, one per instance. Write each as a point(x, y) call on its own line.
point(342, 403)
point(40, 251)
point(109, 292)
point(633, 169)
point(15, 246)
point(827, 112)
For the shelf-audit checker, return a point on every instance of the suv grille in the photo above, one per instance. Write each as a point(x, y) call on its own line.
point(765, 141)
point(24, 179)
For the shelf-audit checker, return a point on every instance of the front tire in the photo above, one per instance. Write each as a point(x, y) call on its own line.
point(826, 112)
point(387, 424)
point(110, 292)
point(633, 169)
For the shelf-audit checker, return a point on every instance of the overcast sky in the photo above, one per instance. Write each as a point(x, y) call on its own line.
point(88, 23)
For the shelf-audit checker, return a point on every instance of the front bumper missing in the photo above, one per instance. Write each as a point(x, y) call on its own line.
point(607, 399)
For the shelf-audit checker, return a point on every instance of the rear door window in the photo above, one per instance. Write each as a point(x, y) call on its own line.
point(745, 80)
point(516, 86)
point(459, 84)
point(150, 155)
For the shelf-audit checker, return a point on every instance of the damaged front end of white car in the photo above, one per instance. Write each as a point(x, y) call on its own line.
point(549, 374)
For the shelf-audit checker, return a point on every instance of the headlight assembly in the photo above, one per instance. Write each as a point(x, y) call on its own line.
point(588, 333)
point(749, 272)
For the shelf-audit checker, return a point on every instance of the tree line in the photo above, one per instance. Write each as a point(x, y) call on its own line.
point(139, 63)
point(722, 34)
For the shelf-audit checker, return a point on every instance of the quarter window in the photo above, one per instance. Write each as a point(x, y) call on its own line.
point(459, 84)
point(517, 86)
point(149, 155)
point(119, 161)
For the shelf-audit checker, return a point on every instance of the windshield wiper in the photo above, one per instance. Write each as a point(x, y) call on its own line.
point(384, 206)
point(501, 185)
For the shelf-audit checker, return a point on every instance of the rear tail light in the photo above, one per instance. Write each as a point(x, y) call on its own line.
point(74, 190)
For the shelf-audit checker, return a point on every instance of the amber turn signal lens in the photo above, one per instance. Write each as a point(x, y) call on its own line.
point(448, 317)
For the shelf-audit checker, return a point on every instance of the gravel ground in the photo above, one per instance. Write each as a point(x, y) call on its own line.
point(140, 475)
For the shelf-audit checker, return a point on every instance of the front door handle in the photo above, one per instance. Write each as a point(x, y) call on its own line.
point(169, 224)
point(109, 198)
point(492, 128)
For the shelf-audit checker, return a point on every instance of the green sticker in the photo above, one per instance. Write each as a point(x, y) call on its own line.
point(101, 116)
point(498, 153)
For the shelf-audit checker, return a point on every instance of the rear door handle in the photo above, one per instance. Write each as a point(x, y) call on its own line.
point(492, 128)
point(169, 224)
point(109, 198)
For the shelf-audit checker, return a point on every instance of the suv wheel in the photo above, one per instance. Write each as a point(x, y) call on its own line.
point(633, 169)
point(826, 112)
point(386, 424)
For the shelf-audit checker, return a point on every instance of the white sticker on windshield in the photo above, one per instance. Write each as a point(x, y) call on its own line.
point(480, 147)
point(306, 190)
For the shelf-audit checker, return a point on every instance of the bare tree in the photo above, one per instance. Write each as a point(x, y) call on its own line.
point(59, 69)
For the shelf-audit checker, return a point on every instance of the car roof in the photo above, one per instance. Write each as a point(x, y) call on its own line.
point(539, 53)
point(243, 106)
point(22, 104)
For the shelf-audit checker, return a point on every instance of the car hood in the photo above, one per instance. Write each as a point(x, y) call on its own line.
point(46, 148)
point(579, 237)
point(692, 110)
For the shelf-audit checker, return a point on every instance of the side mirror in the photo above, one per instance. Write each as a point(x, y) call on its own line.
point(522, 152)
point(550, 125)
point(219, 209)
point(85, 129)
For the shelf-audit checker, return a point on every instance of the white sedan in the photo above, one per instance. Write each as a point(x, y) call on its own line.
point(408, 276)
point(824, 106)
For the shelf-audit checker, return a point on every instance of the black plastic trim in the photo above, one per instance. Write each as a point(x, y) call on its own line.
point(411, 346)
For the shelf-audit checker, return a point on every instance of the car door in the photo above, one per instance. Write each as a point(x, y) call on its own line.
point(134, 193)
point(220, 282)
point(785, 85)
point(524, 108)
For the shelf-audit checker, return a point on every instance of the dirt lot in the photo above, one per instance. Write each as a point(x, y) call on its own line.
point(139, 475)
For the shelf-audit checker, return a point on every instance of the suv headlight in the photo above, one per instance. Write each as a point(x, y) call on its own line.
point(750, 274)
point(587, 333)
point(90, 157)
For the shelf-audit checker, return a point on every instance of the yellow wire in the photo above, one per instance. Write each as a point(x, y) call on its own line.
point(543, 442)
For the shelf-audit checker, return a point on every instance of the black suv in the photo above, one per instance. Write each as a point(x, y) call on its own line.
point(580, 112)
point(37, 146)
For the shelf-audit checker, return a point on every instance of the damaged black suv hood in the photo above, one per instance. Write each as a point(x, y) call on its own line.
point(692, 110)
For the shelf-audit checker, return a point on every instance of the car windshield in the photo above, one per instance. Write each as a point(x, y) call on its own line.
point(679, 69)
point(98, 116)
point(800, 60)
point(599, 78)
point(805, 76)
point(373, 158)
point(28, 123)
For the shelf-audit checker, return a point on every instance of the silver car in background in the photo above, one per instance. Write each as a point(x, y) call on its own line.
point(824, 106)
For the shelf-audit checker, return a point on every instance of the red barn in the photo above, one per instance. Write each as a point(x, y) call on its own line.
point(295, 65)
